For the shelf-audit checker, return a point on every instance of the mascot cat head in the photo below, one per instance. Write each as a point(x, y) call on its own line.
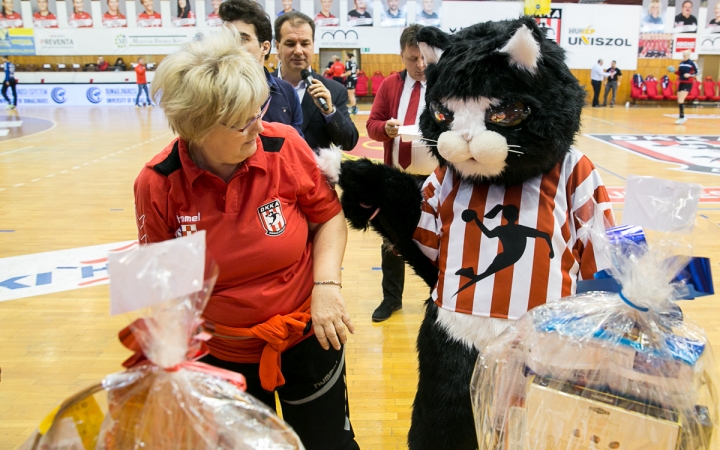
point(501, 104)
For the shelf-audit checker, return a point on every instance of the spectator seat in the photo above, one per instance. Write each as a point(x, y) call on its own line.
point(637, 88)
point(709, 90)
point(694, 92)
point(376, 80)
point(651, 89)
point(361, 90)
point(667, 89)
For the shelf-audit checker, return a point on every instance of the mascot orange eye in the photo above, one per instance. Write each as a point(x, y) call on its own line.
point(441, 114)
point(507, 114)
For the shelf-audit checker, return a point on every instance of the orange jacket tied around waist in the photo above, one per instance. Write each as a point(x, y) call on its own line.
point(279, 334)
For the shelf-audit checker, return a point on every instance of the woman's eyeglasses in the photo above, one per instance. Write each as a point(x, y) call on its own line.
point(263, 110)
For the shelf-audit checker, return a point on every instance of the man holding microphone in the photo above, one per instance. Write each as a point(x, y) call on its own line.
point(400, 101)
point(324, 102)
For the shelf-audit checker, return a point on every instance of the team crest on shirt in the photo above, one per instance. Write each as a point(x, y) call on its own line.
point(272, 218)
point(186, 230)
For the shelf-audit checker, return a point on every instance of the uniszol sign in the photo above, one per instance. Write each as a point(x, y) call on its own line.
point(586, 36)
point(691, 153)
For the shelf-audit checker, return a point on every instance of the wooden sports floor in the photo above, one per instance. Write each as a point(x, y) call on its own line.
point(71, 186)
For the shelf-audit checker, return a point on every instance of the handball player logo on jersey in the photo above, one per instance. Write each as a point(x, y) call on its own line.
point(272, 218)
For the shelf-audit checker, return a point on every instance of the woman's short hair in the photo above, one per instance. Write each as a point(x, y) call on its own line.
point(210, 81)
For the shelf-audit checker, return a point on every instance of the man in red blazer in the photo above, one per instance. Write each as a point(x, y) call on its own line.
point(400, 101)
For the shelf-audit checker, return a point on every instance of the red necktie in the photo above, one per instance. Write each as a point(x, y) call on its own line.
point(405, 155)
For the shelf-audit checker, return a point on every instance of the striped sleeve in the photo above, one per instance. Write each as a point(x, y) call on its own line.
point(427, 233)
point(588, 198)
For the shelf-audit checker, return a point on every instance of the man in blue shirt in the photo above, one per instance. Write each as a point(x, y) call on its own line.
point(248, 17)
point(9, 82)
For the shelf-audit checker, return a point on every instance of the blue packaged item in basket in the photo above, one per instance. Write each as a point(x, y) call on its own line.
point(613, 368)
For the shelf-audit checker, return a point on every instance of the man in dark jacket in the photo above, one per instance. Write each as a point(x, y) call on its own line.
point(322, 126)
point(248, 17)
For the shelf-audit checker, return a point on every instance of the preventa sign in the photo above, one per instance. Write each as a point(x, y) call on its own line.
point(691, 153)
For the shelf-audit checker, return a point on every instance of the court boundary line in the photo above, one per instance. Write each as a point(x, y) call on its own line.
point(54, 124)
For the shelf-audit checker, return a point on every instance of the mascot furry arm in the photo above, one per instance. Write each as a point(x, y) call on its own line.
point(390, 201)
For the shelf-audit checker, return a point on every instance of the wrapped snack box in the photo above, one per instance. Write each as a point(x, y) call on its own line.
point(166, 400)
point(607, 370)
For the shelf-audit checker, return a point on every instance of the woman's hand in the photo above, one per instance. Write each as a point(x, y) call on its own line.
point(329, 316)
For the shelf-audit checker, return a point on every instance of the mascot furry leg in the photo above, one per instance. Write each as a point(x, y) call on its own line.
point(390, 200)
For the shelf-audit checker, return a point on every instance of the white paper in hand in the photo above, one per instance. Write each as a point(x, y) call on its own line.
point(409, 133)
point(661, 205)
point(155, 273)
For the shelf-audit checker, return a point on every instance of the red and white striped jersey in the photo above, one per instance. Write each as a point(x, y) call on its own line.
point(502, 265)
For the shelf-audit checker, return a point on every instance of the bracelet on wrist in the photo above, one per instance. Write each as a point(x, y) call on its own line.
point(328, 282)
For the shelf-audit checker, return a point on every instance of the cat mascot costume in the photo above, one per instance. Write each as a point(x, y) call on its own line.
point(494, 230)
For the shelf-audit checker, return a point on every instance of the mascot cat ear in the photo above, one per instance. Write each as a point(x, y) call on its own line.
point(433, 42)
point(523, 49)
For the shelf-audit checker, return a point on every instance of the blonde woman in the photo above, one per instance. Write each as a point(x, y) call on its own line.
point(274, 226)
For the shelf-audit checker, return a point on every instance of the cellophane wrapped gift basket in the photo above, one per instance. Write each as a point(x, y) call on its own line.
point(618, 368)
point(166, 400)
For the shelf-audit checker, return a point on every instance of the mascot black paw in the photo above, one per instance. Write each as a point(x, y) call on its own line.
point(495, 232)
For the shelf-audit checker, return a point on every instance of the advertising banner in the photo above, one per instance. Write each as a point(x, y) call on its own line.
point(709, 44)
point(17, 41)
point(56, 42)
point(683, 42)
point(551, 23)
point(116, 41)
point(78, 94)
point(593, 32)
point(709, 40)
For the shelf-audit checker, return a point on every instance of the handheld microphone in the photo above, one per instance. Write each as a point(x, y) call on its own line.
point(308, 79)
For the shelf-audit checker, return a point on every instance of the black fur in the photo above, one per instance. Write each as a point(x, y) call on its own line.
point(398, 196)
point(442, 417)
point(471, 67)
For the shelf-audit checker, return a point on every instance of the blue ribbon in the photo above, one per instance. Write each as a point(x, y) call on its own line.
point(697, 274)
